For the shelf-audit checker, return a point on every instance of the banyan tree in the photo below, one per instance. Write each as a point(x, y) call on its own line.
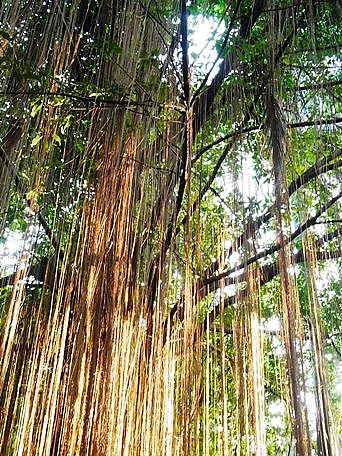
point(170, 222)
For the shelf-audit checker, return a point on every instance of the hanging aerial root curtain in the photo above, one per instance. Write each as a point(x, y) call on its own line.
point(127, 391)
point(92, 361)
point(292, 327)
point(327, 440)
point(87, 367)
point(290, 314)
point(249, 368)
point(23, 341)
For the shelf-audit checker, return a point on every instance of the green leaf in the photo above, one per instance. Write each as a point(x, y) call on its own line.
point(95, 94)
point(36, 109)
point(66, 123)
point(36, 139)
point(31, 194)
point(57, 138)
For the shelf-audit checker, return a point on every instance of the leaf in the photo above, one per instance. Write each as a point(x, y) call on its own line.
point(57, 138)
point(96, 94)
point(18, 224)
point(23, 175)
point(31, 194)
point(36, 109)
point(66, 124)
point(36, 139)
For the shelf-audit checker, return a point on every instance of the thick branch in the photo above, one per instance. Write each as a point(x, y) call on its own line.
point(83, 98)
point(182, 172)
point(220, 53)
point(275, 248)
point(241, 131)
point(321, 166)
point(202, 109)
point(271, 271)
point(323, 85)
point(203, 105)
point(185, 52)
point(268, 272)
point(182, 166)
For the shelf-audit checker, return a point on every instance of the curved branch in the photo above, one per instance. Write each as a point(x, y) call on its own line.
point(271, 271)
point(241, 131)
point(275, 248)
point(220, 53)
point(268, 272)
point(203, 105)
point(320, 167)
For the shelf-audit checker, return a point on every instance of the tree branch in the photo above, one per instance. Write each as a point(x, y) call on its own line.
point(182, 172)
point(84, 98)
point(275, 248)
point(203, 105)
point(320, 167)
point(324, 85)
point(220, 53)
point(270, 271)
point(185, 52)
point(241, 131)
point(202, 109)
